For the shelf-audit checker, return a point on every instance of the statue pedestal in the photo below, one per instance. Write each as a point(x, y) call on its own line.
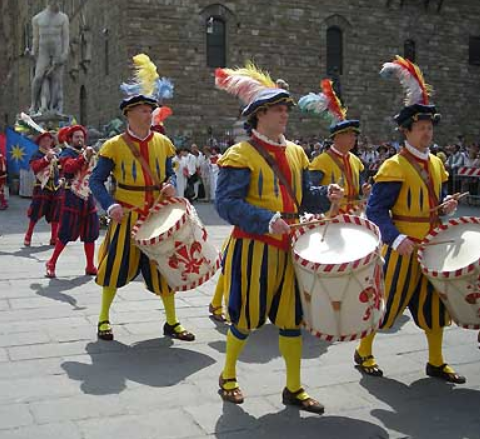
point(52, 120)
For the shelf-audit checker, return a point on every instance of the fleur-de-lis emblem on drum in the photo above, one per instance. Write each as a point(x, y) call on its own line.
point(374, 292)
point(188, 256)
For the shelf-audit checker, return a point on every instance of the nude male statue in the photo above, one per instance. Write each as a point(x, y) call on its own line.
point(50, 51)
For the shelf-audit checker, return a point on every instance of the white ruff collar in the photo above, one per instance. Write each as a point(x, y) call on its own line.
point(416, 153)
point(336, 151)
point(282, 143)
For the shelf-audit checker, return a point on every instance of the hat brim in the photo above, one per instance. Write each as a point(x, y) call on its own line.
point(135, 101)
point(344, 127)
point(276, 97)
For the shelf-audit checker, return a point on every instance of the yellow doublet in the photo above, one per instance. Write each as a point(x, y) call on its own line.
point(128, 170)
point(264, 189)
point(333, 174)
point(413, 200)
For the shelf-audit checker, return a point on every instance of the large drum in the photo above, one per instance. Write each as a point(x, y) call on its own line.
point(339, 271)
point(173, 236)
point(451, 261)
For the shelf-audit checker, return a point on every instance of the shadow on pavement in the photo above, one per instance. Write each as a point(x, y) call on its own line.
point(288, 424)
point(28, 252)
point(427, 408)
point(152, 363)
point(262, 346)
point(56, 286)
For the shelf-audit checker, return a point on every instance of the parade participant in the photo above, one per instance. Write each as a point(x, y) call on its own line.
point(78, 213)
point(3, 182)
point(138, 159)
point(259, 279)
point(337, 164)
point(46, 197)
point(214, 169)
point(407, 188)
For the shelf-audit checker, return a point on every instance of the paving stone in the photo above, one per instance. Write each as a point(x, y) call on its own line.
point(77, 408)
point(61, 430)
point(171, 424)
point(14, 416)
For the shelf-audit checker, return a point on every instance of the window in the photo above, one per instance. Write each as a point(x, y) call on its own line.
point(474, 51)
point(83, 106)
point(106, 52)
point(334, 51)
point(216, 44)
point(409, 50)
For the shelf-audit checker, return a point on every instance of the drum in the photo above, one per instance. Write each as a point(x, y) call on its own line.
point(339, 271)
point(173, 237)
point(451, 261)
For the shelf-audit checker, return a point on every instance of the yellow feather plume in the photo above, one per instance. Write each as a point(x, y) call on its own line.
point(145, 73)
point(252, 71)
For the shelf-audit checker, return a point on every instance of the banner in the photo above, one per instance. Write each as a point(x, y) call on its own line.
point(19, 151)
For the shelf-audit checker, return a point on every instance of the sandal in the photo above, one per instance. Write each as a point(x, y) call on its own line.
point(185, 335)
point(234, 396)
point(308, 404)
point(439, 372)
point(104, 334)
point(27, 242)
point(372, 370)
point(214, 315)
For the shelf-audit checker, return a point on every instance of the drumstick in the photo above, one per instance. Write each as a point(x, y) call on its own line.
point(332, 212)
point(457, 196)
point(311, 223)
point(448, 241)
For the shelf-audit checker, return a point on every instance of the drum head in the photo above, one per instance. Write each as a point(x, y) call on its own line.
point(465, 249)
point(341, 243)
point(161, 221)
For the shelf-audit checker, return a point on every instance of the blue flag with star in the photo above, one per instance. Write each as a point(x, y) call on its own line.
point(19, 151)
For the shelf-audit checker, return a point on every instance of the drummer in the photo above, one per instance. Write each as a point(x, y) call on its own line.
point(337, 164)
point(120, 261)
point(408, 186)
point(259, 279)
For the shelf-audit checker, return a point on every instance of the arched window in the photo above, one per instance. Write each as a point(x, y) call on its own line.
point(334, 50)
point(215, 28)
point(83, 106)
point(474, 51)
point(409, 50)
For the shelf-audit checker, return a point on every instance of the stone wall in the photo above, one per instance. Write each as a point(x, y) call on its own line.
point(287, 38)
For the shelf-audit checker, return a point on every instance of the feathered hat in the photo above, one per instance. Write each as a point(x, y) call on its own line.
point(146, 87)
point(327, 105)
point(253, 87)
point(417, 92)
point(158, 117)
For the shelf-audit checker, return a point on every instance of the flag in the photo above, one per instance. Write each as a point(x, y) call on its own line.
point(2, 145)
point(19, 151)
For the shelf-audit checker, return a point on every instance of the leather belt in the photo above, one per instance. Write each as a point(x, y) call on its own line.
point(129, 187)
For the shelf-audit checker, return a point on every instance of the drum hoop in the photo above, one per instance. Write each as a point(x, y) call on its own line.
point(350, 337)
point(447, 274)
point(168, 233)
point(334, 269)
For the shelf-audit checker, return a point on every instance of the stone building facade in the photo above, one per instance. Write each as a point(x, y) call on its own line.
point(299, 41)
